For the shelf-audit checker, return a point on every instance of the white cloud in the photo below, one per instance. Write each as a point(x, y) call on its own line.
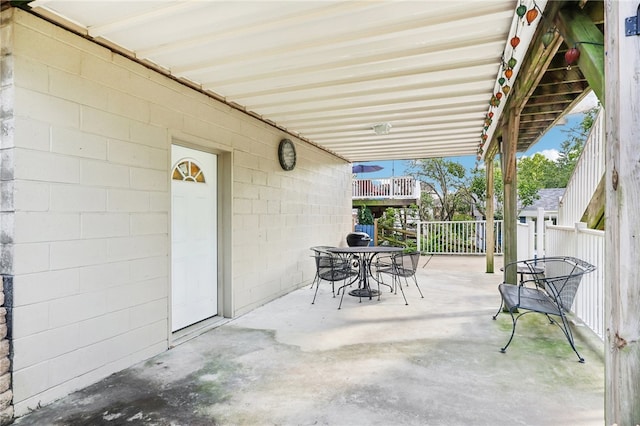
point(551, 154)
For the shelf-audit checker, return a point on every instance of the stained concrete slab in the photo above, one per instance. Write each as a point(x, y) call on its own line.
point(433, 362)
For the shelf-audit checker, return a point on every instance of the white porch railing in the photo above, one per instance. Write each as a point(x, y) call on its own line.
point(463, 237)
point(588, 245)
point(526, 235)
point(404, 187)
point(586, 176)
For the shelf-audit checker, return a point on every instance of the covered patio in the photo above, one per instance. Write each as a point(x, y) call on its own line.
point(435, 361)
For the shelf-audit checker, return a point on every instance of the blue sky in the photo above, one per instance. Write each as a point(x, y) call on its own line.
point(548, 145)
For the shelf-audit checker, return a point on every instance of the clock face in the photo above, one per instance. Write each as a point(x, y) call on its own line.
point(287, 154)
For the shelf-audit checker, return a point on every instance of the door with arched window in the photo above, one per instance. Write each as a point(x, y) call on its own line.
point(194, 289)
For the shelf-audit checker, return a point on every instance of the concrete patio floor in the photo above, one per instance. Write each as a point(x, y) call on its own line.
point(434, 362)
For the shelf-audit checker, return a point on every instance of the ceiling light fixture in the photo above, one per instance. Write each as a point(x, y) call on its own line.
point(382, 128)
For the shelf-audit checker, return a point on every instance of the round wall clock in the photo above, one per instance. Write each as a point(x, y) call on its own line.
point(287, 154)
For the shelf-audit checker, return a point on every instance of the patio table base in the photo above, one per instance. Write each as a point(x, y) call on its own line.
point(363, 292)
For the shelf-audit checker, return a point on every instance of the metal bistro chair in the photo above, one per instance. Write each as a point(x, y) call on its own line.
point(550, 292)
point(316, 251)
point(332, 268)
point(401, 265)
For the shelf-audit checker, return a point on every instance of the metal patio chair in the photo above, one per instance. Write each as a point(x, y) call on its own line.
point(399, 266)
point(332, 268)
point(550, 291)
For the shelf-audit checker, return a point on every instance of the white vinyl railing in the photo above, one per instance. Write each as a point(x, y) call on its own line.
point(526, 235)
point(463, 237)
point(588, 245)
point(586, 176)
point(404, 187)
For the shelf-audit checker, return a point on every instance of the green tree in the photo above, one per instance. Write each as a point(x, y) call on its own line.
point(447, 186)
point(478, 187)
point(571, 147)
point(365, 217)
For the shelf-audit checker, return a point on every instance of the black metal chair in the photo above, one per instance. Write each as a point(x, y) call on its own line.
point(332, 268)
point(400, 265)
point(317, 250)
point(550, 291)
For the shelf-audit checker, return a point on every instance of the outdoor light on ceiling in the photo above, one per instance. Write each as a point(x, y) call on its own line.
point(382, 128)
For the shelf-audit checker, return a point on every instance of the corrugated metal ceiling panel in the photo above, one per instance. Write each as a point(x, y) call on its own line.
point(327, 70)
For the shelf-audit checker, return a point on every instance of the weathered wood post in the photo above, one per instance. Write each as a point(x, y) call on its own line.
point(490, 211)
point(622, 243)
point(509, 144)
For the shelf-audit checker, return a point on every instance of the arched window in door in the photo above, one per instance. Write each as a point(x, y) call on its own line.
point(188, 171)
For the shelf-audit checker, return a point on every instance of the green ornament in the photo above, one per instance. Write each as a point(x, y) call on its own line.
point(547, 38)
point(512, 62)
point(521, 10)
point(501, 81)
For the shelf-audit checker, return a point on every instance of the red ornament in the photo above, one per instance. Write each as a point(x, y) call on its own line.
point(515, 41)
point(531, 15)
point(490, 114)
point(571, 56)
point(499, 95)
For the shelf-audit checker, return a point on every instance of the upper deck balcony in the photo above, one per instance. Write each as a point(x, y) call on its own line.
point(392, 188)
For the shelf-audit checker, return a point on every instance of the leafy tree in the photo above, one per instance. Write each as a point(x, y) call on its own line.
point(478, 187)
point(447, 185)
point(571, 148)
point(365, 217)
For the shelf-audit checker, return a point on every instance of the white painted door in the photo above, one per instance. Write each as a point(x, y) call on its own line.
point(194, 289)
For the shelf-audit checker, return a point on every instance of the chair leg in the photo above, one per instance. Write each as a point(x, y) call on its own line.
point(566, 329)
point(513, 331)
point(399, 284)
point(499, 309)
point(416, 281)
point(315, 293)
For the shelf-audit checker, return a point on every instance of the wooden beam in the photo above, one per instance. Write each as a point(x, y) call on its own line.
point(594, 213)
point(578, 29)
point(622, 239)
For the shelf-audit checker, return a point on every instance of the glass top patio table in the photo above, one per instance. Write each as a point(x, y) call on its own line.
point(367, 254)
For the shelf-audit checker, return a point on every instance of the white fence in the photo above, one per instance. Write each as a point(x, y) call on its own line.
point(405, 187)
point(588, 245)
point(463, 237)
point(586, 176)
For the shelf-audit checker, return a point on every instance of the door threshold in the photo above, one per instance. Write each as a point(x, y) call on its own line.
point(195, 330)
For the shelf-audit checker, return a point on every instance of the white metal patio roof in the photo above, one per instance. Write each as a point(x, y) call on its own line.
point(327, 71)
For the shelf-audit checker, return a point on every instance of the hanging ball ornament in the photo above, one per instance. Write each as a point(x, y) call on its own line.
point(532, 15)
point(508, 73)
point(499, 95)
point(521, 10)
point(547, 38)
point(512, 62)
point(490, 114)
point(501, 81)
point(515, 41)
point(506, 89)
point(571, 56)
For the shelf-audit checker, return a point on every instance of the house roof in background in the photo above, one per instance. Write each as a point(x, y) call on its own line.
point(549, 200)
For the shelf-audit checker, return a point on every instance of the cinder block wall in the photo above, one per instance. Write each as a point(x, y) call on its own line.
point(89, 246)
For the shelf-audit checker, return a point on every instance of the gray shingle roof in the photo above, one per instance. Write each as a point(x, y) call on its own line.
point(549, 200)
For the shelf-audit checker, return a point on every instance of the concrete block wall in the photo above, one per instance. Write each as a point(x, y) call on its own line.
point(7, 217)
point(89, 179)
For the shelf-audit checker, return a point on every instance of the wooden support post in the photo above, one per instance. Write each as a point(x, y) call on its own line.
point(490, 238)
point(509, 146)
point(578, 28)
point(622, 237)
